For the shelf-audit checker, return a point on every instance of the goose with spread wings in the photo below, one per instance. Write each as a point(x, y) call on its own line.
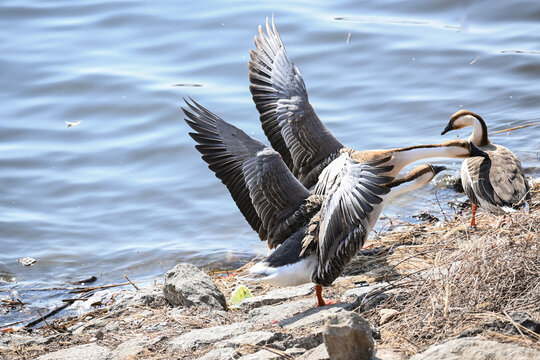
point(294, 129)
point(316, 233)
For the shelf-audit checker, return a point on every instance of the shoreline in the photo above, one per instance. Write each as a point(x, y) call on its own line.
point(418, 287)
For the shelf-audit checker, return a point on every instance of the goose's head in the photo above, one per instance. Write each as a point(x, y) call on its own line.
point(462, 119)
point(423, 174)
point(462, 149)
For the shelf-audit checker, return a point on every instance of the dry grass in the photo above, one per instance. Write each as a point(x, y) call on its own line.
point(451, 280)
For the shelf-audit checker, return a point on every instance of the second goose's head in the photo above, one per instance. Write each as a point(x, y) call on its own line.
point(418, 177)
point(464, 118)
point(461, 119)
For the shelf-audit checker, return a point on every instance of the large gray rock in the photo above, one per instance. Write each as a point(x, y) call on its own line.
point(200, 337)
point(476, 349)
point(185, 285)
point(88, 352)
point(278, 295)
point(348, 336)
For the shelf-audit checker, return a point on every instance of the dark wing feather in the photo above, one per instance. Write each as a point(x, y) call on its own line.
point(351, 208)
point(275, 192)
point(287, 118)
point(508, 179)
point(257, 178)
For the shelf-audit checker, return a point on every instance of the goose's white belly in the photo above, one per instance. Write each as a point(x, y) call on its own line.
point(289, 275)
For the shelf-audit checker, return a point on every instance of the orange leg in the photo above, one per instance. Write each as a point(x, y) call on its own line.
point(473, 220)
point(320, 300)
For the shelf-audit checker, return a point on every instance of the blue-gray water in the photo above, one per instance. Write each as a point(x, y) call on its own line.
point(126, 192)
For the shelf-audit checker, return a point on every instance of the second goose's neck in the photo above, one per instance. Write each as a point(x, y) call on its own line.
point(479, 136)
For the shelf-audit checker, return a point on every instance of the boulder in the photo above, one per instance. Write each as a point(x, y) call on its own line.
point(185, 285)
point(348, 336)
point(476, 349)
point(88, 352)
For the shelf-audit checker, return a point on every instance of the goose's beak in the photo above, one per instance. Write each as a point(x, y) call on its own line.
point(477, 152)
point(447, 128)
point(438, 169)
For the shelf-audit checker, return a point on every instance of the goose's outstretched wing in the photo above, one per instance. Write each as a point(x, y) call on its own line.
point(351, 207)
point(260, 183)
point(287, 118)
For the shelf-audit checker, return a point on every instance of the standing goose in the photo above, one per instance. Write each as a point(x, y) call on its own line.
point(496, 182)
point(318, 233)
point(294, 129)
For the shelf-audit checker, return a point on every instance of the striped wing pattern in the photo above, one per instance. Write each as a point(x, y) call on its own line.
point(258, 180)
point(288, 119)
point(353, 201)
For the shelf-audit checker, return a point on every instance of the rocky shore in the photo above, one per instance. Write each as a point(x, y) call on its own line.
point(436, 290)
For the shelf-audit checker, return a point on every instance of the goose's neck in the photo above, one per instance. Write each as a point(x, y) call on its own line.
point(402, 189)
point(405, 156)
point(479, 136)
point(405, 184)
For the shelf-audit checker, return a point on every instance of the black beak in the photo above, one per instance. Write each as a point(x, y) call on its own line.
point(438, 169)
point(476, 151)
point(448, 128)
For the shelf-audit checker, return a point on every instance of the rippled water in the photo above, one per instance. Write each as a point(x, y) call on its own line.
point(125, 191)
